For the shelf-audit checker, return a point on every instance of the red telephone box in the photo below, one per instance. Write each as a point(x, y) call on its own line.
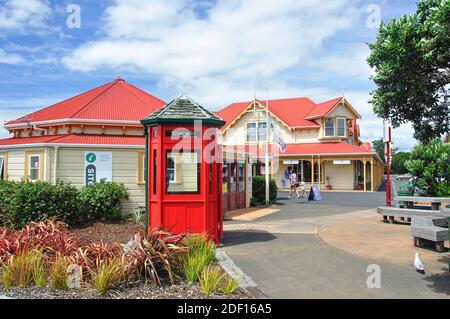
point(183, 169)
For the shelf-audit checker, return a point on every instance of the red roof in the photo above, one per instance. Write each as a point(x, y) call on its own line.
point(323, 108)
point(77, 139)
point(295, 112)
point(334, 148)
point(114, 101)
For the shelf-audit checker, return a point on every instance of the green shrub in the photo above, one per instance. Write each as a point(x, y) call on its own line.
point(429, 164)
point(59, 274)
point(259, 191)
point(23, 202)
point(102, 201)
point(228, 285)
point(6, 192)
point(109, 274)
point(39, 201)
point(201, 253)
point(210, 278)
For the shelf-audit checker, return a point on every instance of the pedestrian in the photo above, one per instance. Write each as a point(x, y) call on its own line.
point(287, 177)
point(293, 183)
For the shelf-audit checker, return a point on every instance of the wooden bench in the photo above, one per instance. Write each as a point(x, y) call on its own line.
point(436, 202)
point(427, 228)
point(404, 214)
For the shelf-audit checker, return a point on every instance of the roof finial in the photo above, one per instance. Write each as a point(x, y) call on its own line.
point(119, 78)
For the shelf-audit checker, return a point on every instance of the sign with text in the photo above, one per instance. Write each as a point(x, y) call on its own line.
point(341, 162)
point(291, 162)
point(97, 167)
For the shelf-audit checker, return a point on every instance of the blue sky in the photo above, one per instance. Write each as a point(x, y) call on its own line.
point(216, 51)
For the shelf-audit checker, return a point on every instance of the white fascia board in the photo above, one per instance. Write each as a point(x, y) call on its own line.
point(68, 121)
point(71, 146)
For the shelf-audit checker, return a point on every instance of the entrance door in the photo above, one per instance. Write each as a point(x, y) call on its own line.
point(241, 184)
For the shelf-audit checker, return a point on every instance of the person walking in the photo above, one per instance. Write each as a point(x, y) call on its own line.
point(294, 184)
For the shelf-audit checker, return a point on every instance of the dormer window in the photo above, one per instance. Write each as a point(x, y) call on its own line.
point(329, 127)
point(340, 122)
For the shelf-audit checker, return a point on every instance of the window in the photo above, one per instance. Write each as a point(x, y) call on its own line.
point(241, 176)
point(341, 127)
point(141, 168)
point(182, 172)
point(2, 168)
point(329, 127)
point(34, 167)
point(256, 132)
point(233, 173)
point(251, 132)
point(262, 132)
point(225, 177)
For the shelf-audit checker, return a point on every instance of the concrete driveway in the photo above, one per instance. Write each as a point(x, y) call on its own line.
point(284, 255)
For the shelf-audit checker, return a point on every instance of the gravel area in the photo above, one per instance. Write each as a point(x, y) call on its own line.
point(137, 291)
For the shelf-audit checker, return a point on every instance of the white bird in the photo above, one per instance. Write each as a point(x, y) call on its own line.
point(419, 264)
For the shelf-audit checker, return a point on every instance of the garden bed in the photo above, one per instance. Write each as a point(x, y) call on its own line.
point(181, 290)
point(45, 260)
point(119, 232)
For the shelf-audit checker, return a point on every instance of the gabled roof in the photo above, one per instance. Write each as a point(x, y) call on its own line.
point(294, 112)
point(290, 111)
point(323, 108)
point(183, 110)
point(75, 139)
point(114, 101)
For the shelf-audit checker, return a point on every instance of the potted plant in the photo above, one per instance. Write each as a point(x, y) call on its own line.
point(328, 186)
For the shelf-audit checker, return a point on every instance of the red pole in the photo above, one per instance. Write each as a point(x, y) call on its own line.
point(388, 169)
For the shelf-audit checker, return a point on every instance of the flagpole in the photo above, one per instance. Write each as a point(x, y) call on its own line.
point(267, 149)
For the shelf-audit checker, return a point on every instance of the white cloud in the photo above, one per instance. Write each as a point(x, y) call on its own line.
point(13, 108)
point(6, 58)
point(233, 49)
point(24, 14)
point(351, 61)
point(237, 39)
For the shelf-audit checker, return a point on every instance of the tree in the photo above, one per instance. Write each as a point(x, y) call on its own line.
point(429, 165)
point(411, 57)
point(378, 145)
point(398, 163)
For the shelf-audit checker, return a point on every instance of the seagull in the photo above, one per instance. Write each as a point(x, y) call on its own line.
point(419, 264)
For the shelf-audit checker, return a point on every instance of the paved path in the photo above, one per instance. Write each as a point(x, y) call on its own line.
point(283, 254)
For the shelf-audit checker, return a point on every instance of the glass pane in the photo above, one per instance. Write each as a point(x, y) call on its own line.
point(341, 127)
point(329, 127)
point(154, 172)
point(233, 174)
point(182, 172)
point(211, 172)
point(307, 171)
point(261, 131)
point(251, 132)
point(241, 176)
point(34, 168)
point(225, 178)
point(34, 174)
point(2, 174)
